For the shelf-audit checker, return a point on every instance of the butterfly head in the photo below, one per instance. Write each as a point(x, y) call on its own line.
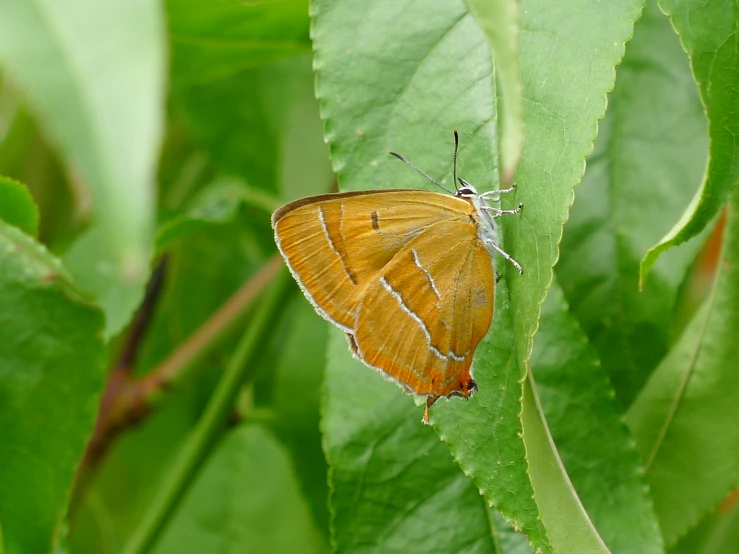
point(466, 190)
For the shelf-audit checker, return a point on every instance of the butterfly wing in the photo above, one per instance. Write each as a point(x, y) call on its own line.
point(423, 316)
point(336, 244)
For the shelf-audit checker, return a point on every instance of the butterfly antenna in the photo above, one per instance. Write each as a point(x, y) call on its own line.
point(414, 168)
point(456, 147)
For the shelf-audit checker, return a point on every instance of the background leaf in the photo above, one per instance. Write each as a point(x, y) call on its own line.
point(299, 372)
point(718, 532)
point(215, 204)
point(51, 376)
point(683, 418)
point(246, 497)
point(212, 41)
point(102, 107)
point(587, 427)
point(565, 86)
point(203, 176)
point(17, 207)
point(647, 163)
point(708, 32)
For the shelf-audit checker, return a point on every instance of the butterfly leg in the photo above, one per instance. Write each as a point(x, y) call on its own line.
point(505, 254)
point(497, 212)
point(498, 192)
point(430, 400)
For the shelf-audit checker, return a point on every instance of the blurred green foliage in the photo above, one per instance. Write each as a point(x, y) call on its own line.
point(139, 135)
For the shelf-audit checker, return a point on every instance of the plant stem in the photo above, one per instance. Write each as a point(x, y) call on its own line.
point(240, 369)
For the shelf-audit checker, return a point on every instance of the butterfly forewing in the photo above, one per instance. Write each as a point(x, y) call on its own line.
point(420, 320)
point(336, 245)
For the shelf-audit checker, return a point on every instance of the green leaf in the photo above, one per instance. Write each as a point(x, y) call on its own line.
point(239, 70)
point(500, 21)
point(717, 533)
point(395, 75)
point(246, 499)
point(29, 158)
point(433, 44)
point(94, 75)
point(51, 376)
point(240, 120)
point(94, 267)
point(213, 40)
point(217, 203)
point(299, 372)
point(645, 168)
point(239, 371)
point(565, 86)
point(17, 206)
point(684, 418)
point(587, 427)
point(394, 486)
point(509, 542)
point(708, 32)
point(563, 514)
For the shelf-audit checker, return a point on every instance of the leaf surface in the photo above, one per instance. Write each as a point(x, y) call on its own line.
point(684, 418)
point(102, 107)
point(246, 499)
point(586, 423)
point(17, 206)
point(647, 163)
point(51, 377)
point(709, 32)
point(394, 486)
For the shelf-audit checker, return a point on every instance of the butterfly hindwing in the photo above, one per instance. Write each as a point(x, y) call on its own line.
point(422, 317)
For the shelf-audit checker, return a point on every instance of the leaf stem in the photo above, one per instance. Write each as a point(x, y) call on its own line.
point(240, 369)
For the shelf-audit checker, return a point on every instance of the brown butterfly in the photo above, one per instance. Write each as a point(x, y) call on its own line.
point(406, 274)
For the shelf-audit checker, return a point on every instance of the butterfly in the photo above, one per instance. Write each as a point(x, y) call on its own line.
point(408, 275)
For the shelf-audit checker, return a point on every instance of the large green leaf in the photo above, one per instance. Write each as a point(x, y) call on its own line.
point(396, 75)
point(51, 376)
point(587, 427)
point(394, 486)
point(246, 499)
point(17, 206)
point(709, 32)
point(647, 163)
point(684, 420)
point(449, 53)
point(94, 75)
